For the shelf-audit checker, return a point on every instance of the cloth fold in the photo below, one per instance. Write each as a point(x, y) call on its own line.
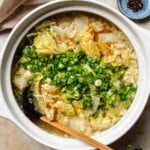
point(12, 11)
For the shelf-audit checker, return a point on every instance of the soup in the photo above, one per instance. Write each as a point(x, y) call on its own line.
point(79, 69)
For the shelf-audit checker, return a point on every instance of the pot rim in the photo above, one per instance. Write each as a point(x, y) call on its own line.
point(133, 113)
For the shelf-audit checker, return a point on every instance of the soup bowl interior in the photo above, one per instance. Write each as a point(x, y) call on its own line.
point(25, 25)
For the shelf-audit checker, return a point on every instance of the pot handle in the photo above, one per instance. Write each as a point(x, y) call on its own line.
point(145, 37)
point(4, 111)
point(143, 33)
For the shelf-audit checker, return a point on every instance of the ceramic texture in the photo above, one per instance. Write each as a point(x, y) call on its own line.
point(13, 111)
point(141, 14)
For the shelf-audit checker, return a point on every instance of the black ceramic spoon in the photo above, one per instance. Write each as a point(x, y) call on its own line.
point(28, 106)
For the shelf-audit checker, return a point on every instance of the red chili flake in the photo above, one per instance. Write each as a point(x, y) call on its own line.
point(135, 5)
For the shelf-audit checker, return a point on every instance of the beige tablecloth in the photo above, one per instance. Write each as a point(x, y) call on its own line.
point(14, 10)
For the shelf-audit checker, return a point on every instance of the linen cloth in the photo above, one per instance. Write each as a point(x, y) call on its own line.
point(11, 11)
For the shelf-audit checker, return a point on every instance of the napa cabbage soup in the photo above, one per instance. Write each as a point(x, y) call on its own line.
point(81, 71)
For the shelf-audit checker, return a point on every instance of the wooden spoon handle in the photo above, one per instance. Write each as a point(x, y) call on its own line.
point(76, 134)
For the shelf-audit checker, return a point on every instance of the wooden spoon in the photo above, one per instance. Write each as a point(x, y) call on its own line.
point(30, 111)
point(76, 134)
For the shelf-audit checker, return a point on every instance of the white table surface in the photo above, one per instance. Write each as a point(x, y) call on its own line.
point(12, 138)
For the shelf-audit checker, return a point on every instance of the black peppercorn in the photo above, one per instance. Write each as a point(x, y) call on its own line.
point(135, 5)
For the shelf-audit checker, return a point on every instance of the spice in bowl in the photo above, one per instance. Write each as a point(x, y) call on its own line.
point(135, 5)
